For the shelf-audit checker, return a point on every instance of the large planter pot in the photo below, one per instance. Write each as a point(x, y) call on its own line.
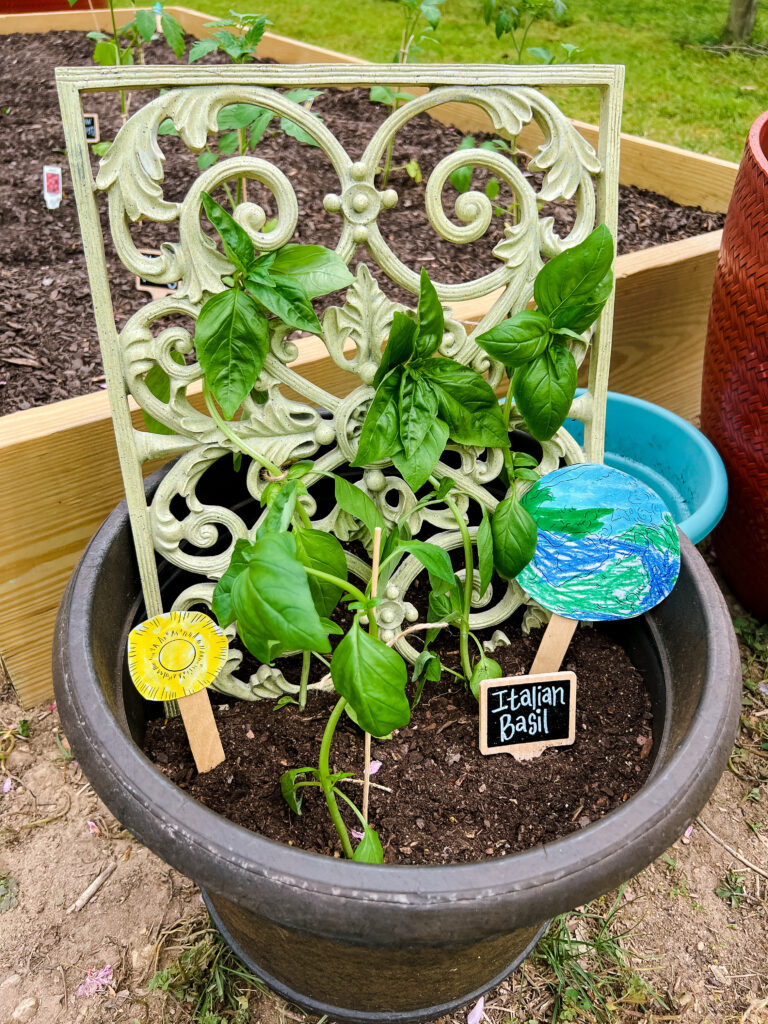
point(368, 943)
point(734, 395)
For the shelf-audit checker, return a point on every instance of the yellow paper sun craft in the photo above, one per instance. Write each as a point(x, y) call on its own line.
point(175, 655)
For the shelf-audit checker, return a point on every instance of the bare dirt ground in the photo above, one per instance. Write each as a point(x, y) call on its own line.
point(686, 940)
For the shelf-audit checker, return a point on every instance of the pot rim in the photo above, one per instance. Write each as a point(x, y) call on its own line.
point(228, 858)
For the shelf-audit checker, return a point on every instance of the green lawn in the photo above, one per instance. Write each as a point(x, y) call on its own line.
point(675, 92)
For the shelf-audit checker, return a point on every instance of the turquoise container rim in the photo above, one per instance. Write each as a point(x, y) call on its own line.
point(670, 455)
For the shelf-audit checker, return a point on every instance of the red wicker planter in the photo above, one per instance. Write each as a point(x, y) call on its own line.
point(38, 6)
point(734, 400)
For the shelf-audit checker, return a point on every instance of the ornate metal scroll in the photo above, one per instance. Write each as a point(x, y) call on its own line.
point(284, 427)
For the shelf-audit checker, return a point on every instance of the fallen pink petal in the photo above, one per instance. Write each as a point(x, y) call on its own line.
point(356, 834)
point(8, 785)
point(375, 765)
point(475, 1015)
point(95, 982)
point(763, 688)
point(93, 828)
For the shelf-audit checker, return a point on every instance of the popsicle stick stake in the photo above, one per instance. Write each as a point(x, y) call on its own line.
point(202, 732)
point(554, 644)
point(374, 593)
point(175, 657)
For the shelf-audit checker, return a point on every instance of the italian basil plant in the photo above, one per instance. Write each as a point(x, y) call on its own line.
point(286, 588)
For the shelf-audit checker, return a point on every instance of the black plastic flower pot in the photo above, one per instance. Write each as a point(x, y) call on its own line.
point(369, 943)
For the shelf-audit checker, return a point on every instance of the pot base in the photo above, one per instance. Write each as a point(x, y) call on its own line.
point(344, 1015)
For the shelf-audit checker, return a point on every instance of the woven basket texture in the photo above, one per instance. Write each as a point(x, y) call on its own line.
point(734, 401)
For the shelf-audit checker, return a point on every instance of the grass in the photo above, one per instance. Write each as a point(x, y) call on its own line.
point(675, 92)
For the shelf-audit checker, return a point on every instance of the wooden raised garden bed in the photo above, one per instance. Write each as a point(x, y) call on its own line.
point(48, 454)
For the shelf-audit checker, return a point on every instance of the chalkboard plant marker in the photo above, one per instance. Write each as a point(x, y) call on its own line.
point(523, 715)
point(175, 657)
point(92, 133)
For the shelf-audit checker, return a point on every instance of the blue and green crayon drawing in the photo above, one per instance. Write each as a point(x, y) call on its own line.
point(607, 546)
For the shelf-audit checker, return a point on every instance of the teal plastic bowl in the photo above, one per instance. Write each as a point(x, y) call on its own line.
point(670, 455)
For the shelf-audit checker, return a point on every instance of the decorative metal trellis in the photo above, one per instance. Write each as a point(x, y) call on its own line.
point(283, 429)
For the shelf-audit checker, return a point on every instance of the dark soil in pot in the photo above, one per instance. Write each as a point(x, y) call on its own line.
point(443, 802)
point(48, 345)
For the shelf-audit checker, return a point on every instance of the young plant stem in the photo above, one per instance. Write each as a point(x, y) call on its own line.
point(238, 442)
point(324, 774)
point(469, 569)
point(305, 663)
point(374, 593)
point(349, 587)
point(507, 410)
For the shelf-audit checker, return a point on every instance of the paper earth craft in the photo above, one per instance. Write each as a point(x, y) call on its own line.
point(175, 657)
point(607, 545)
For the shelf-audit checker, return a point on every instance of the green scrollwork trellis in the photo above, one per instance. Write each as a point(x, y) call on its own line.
point(283, 428)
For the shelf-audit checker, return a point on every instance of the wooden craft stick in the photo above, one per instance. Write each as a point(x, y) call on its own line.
point(202, 732)
point(554, 644)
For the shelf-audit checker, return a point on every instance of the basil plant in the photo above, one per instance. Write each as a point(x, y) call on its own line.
point(284, 589)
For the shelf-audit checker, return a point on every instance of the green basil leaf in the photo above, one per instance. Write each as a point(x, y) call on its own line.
point(575, 285)
point(239, 115)
point(173, 32)
point(368, 850)
point(486, 668)
point(431, 320)
point(272, 599)
point(418, 469)
point(260, 646)
point(202, 48)
point(293, 796)
point(285, 297)
point(322, 551)
point(435, 559)
point(380, 436)
point(281, 509)
point(466, 402)
point(514, 538)
point(428, 665)
point(221, 604)
point(297, 132)
point(228, 143)
point(206, 160)
point(399, 347)
point(484, 542)
point(518, 340)
point(159, 384)
point(372, 677)
point(300, 469)
point(231, 341)
point(319, 270)
point(283, 701)
point(543, 390)
point(145, 23)
point(461, 178)
point(237, 244)
point(356, 502)
point(417, 408)
point(106, 53)
point(330, 627)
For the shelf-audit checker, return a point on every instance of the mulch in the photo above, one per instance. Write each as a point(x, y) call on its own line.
point(48, 343)
point(443, 802)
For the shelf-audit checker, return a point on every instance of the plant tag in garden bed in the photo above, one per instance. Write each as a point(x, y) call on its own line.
point(175, 657)
point(523, 715)
point(157, 291)
point(607, 548)
point(52, 186)
point(91, 123)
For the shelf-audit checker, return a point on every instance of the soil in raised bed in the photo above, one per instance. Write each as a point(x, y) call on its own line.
point(442, 801)
point(48, 342)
